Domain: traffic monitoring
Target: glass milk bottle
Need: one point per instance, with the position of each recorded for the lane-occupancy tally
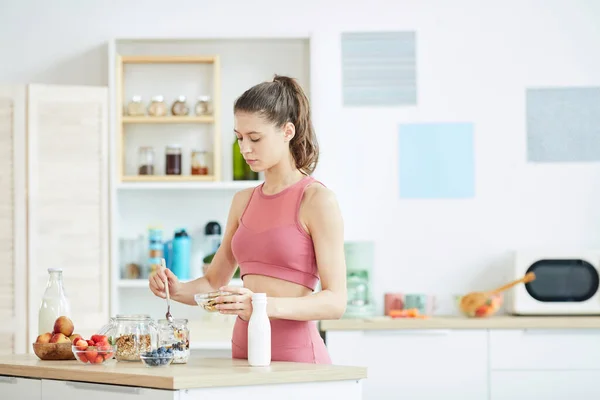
(54, 302)
(259, 332)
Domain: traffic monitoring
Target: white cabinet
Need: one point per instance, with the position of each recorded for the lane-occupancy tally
(537, 349)
(546, 385)
(12, 387)
(53, 205)
(60, 390)
(544, 364)
(416, 364)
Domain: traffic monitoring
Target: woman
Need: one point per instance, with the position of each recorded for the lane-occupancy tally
(284, 234)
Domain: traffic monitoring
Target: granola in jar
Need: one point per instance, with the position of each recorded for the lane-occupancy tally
(130, 346)
(132, 335)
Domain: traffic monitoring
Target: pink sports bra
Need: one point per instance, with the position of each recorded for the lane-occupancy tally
(270, 240)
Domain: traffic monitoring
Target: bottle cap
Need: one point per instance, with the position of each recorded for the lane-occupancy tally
(212, 228)
(54, 269)
(259, 296)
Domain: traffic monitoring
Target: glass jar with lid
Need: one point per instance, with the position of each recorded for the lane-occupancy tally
(173, 160)
(175, 335)
(180, 107)
(157, 107)
(146, 160)
(131, 334)
(136, 107)
(199, 162)
(204, 105)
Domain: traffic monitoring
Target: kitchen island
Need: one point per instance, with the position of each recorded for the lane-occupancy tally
(25, 377)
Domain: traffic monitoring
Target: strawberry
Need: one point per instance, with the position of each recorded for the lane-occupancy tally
(82, 357)
(99, 359)
(103, 346)
(99, 338)
(90, 342)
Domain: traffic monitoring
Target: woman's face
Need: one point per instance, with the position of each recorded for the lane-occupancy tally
(262, 144)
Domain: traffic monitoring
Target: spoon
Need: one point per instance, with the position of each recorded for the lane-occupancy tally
(168, 315)
(472, 301)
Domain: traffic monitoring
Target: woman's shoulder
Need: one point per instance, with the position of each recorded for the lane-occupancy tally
(318, 196)
(240, 200)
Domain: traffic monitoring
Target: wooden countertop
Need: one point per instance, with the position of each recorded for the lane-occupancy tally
(197, 373)
(458, 322)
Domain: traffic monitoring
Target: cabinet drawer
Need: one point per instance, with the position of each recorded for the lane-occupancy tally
(553, 349)
(12, 387)
(94, 391)
(416, 364)
(546, 385)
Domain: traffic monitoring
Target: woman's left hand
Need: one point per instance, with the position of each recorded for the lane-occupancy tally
(239, 302)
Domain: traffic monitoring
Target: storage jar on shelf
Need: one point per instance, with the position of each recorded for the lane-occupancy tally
(136, 108)
(204, 106)
(146, 160)
(157, 107)
(180, 107)
(199, 162)
(173, 160)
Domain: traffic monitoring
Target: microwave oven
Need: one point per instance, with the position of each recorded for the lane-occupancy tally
(566, 283)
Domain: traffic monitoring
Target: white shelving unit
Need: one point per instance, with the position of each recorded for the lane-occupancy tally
(226, 186)
(173, 67)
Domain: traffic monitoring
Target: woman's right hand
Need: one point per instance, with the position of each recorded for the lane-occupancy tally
(157, 283)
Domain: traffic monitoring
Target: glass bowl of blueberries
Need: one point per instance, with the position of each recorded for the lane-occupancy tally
(161, 357)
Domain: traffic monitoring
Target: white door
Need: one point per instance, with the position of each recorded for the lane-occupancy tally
(68, 199)
(13, 268)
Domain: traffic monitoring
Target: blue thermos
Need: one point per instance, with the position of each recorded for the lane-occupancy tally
(178, 254)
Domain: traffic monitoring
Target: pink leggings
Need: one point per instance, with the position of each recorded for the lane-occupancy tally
(297, 341)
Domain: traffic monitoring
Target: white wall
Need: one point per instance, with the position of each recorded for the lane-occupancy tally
(474, 62)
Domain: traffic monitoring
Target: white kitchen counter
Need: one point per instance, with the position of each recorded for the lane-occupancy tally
(25, 377)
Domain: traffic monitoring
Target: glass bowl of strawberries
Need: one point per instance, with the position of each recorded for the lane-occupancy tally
(96, 350)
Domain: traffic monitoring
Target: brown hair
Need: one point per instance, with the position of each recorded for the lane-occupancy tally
(282, 101)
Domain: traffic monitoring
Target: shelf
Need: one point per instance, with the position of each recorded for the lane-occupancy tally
(155, 59)
(168, 119)
(143, 283)
(232, 185)
(167, 178)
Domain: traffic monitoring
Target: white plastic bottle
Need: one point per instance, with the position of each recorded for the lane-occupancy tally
(259, 333)
(55, 302)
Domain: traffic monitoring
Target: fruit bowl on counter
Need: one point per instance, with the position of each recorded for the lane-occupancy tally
(56, 344)
(490, 307)
(96, 350)
(94, 354)
(53, 351)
